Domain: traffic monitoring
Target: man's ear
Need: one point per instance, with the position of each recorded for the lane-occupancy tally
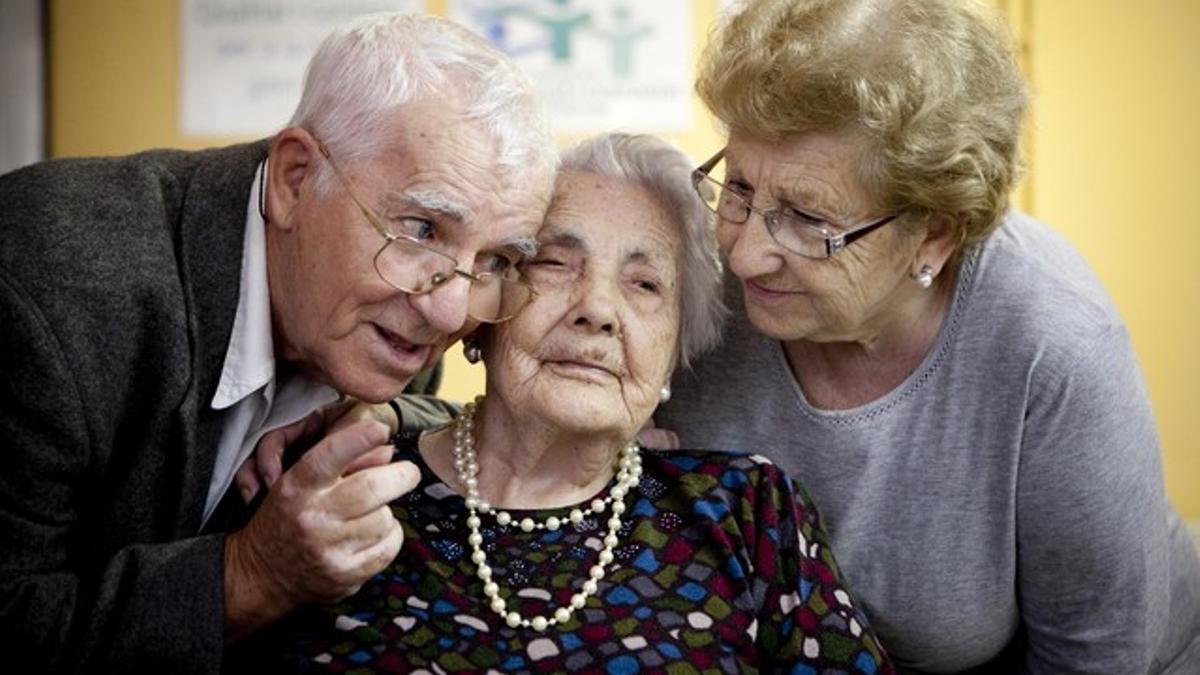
(292, 166)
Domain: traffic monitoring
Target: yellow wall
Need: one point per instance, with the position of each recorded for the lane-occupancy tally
(1116, 169)
(1112, 151)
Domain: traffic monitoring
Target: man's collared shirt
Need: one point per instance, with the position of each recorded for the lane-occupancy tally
(257, 402)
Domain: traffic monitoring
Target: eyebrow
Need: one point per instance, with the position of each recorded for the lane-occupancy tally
(573, 242)
(557, 237)
(438, 202)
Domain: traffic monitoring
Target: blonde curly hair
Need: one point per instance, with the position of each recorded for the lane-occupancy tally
(931, 85)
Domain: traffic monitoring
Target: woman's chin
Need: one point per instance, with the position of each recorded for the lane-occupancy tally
(585, 412)
(776, 326)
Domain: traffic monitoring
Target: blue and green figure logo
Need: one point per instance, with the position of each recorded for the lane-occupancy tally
(559, 24)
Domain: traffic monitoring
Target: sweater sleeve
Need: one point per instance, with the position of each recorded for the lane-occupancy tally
(1092, 516)
(67, 601)
(808, 621)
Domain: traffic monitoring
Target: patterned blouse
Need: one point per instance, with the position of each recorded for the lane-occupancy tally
(723, 566)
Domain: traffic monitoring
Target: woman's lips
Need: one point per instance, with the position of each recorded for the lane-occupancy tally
(757, 291)
(581, 369)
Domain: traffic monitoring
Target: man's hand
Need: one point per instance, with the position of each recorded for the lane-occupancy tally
(323, 530)
(265, 466)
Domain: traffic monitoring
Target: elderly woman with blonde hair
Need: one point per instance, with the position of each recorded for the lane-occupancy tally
(542, 537)
(948, 376)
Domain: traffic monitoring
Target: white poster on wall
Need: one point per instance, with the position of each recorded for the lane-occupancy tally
(242, 61)
(600, 64)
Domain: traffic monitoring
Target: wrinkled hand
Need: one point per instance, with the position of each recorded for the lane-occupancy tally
(323, 530)
(264, 467)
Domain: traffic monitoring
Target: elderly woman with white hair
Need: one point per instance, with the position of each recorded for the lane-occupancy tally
(949, 377)
(542, 537)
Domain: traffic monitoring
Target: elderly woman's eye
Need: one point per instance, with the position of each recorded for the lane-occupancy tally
(545, 263)
(805, 217)
(647, 285)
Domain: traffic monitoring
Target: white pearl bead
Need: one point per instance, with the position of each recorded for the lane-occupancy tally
(467, 466)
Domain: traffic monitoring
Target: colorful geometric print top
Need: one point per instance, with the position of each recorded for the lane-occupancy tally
(722, 567)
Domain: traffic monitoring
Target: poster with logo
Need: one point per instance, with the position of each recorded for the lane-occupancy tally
(600, 64)
(242, 61)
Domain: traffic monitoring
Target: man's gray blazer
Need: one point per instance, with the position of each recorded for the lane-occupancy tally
(118, 287)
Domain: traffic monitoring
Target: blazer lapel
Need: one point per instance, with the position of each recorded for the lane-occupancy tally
(211, 235)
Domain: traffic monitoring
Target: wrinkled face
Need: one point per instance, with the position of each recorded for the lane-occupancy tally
(437, 181)
(850, 296)
(594, 348)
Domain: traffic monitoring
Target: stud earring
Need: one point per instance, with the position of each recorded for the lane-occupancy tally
(924, 277)
(664, 394)
(471, 351)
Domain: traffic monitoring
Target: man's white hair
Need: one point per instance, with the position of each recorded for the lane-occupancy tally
(366, 71)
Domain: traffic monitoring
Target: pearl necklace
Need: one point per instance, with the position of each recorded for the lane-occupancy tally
(467, 467)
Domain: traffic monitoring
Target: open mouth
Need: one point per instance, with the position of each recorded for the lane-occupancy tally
(410, 356)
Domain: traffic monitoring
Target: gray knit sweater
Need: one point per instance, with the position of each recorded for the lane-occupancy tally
(1003, 507)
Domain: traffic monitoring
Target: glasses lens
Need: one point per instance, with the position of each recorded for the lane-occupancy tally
(495, 299)
(413, 268)
(797, 236)
(722, 200)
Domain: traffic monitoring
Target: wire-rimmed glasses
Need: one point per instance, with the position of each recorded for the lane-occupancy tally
(794, 230)
(410, 266)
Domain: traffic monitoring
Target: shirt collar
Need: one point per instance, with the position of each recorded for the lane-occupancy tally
(250, 358)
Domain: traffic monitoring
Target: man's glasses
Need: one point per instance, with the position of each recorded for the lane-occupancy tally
(413, 267)
(802, 234)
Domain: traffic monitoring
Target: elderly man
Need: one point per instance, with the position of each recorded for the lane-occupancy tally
(163, 311)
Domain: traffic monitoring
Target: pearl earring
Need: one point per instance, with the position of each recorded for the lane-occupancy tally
(924, 277)
(664, 394)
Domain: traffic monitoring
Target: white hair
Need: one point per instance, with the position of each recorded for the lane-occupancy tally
(367, 70)
(666, 173)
